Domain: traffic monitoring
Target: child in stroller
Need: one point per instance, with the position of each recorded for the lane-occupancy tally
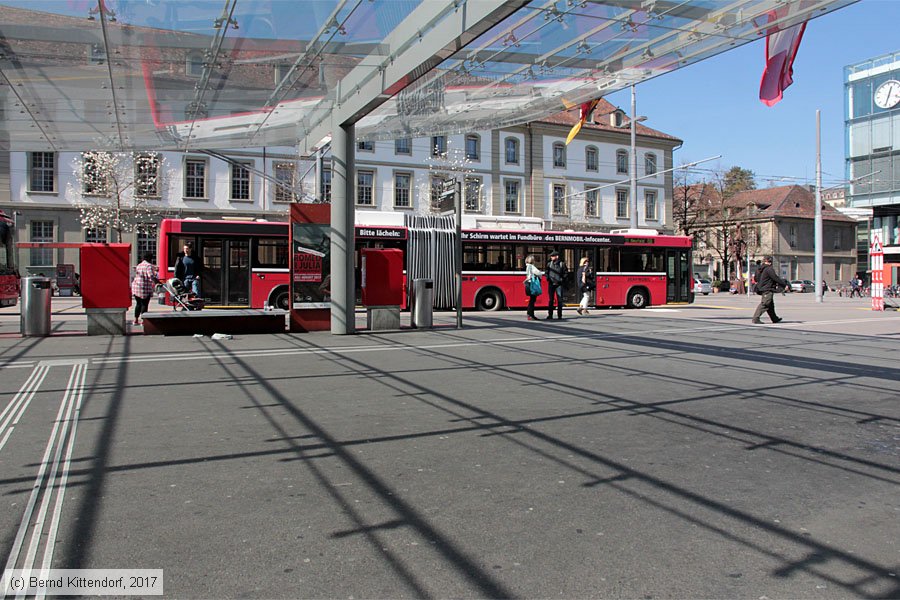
(181, 296)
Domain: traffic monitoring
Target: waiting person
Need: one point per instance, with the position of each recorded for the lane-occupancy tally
(187, 269)
(586, 283)
(142, 286)
(532, 273)
(855, 288)
(556, 277)
(767, 284)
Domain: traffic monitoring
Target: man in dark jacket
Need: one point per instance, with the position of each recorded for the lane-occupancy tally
(556, 277)
(766, 283)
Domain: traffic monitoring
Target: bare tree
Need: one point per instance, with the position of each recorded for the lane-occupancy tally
(119, 191)
(454, 164)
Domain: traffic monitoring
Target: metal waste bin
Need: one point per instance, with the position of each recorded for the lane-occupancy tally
(36, 293)
(422, 303)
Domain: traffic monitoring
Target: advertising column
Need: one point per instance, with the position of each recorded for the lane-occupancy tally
(876, 252)
(310, 267)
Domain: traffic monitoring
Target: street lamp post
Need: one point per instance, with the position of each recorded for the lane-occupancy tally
(633, 191)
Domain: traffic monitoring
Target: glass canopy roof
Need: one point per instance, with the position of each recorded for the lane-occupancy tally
(206, 74)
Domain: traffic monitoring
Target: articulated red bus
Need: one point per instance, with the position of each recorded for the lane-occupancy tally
(245, 263)
(9, 274)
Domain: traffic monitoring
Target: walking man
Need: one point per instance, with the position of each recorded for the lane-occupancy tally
(556, 276)
(767, 283)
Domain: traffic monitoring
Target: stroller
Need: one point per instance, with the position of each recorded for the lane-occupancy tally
(181, 296)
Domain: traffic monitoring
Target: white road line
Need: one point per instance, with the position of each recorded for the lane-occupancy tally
(10, 416)
(57, 441)
(78, 390)
(37, 525)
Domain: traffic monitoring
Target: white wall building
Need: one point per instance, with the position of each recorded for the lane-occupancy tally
(524, 171)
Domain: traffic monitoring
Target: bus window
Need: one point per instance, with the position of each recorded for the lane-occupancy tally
(176, 247)
(604, 260)
(642, 260)
(271, 253)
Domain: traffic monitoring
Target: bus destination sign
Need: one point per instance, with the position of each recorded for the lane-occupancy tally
(381, 233)
(542, 237)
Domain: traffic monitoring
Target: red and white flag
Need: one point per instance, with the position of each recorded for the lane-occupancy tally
(781, 48)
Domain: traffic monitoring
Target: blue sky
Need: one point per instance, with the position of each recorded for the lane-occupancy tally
(714, 105)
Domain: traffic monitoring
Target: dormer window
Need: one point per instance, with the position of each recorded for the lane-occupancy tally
(617, 118)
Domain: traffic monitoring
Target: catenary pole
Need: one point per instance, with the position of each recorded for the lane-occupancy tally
(818, 227)
(633, 191)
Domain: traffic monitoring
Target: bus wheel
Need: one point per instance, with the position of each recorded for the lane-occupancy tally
(281, 300)
(638, 298)
(489, 300)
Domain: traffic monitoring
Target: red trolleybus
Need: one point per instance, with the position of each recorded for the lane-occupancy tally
(9, 274)
(245, 263)
(634, 268)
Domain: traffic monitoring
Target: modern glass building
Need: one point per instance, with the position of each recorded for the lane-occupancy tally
(872, 146)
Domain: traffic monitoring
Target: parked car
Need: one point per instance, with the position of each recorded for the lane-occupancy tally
(702, 286)
(802, 285)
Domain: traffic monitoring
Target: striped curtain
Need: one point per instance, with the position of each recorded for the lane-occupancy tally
(430, 255)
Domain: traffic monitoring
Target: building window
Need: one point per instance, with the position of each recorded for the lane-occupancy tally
(365, 146)
(592, 203)
(193, 66)
(402, 190)
(94, 177)
(438, 183)
(559, 154)
(195, 178)
(472, 144)
(281, 71)
(473, 194)
(511, 196)
(837, 239)
(41, 231)
(512, 151)
(286, 181)
(621, 161)
(439, 145)
(559, 199)
(650, 164)
(650, 206)
(365, 188)
(621, 204)
(42, 171)
(146, 175)
(240, 181)
(146, 241)
(325, 185)
(590, 159)
(96, 54)
(403, 146)
(95, 235)
(792, 236)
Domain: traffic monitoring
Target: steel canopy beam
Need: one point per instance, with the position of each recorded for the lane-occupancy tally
(433, 32)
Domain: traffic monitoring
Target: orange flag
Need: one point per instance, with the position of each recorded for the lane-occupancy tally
(586, 109)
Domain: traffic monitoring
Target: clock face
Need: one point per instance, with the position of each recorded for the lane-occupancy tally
(888, 94)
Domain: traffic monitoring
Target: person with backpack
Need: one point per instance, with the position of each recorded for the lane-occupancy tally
(768, 282)
(556, 277)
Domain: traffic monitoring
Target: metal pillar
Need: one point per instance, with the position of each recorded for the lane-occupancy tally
(817, 268)
(343, 293)
(634, 210)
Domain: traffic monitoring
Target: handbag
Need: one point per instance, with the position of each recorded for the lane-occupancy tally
(533, 287)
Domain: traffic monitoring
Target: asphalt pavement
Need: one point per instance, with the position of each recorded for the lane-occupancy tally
(674, 452)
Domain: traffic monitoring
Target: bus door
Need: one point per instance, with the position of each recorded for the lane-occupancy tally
(573, 256)
(678, 275)
(225, 279)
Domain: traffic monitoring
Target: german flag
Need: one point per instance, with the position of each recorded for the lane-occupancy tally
(586, 109)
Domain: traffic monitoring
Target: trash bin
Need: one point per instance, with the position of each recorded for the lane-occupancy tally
(422, 301)
(36, 293)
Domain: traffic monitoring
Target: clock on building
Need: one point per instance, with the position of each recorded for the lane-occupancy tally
(887, 95)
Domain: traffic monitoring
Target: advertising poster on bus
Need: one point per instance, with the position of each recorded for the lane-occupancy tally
(311, 265)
